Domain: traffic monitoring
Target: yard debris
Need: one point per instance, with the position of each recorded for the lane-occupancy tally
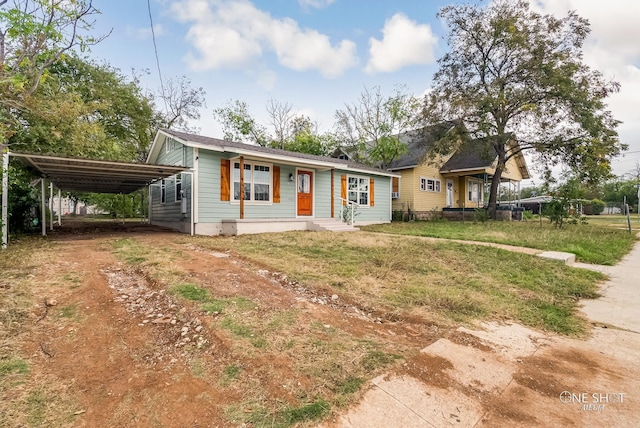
(178, 328)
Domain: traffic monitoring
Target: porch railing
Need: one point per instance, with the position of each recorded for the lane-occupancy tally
(348, 211)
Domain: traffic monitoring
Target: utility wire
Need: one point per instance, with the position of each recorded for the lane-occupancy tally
(155, 48)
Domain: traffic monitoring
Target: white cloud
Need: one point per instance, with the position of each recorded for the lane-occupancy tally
(234, 34)
(404, 42)
(612, 49)
(144, 33)
(318, 4)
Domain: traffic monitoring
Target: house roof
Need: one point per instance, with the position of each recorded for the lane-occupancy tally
(471, 155)
(418, 143)
(536, 199)
(284, 156)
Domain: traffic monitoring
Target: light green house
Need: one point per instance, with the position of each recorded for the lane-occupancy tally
(282, 190)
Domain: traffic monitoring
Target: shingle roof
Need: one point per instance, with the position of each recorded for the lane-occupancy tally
(471, 155)
(419, 142)
(216, 142)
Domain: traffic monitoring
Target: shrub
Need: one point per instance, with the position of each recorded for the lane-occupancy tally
(597, 206)
(481, 215)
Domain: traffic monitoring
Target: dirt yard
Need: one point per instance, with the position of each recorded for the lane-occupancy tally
(107, 344)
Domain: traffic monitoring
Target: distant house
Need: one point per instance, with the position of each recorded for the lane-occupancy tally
(447, 185)
(233, 188)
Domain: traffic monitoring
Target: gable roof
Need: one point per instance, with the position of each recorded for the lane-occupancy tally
(284, 156)
(470, 155)
(419, 142)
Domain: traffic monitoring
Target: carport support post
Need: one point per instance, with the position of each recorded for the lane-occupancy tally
(5, 199)
(59, 207)
(43, 208)
(241, 187)
(50, 206)
(149, 207)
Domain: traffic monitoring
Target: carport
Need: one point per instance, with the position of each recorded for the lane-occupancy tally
(82, 175)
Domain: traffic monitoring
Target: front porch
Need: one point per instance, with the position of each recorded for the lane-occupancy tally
(234, 227)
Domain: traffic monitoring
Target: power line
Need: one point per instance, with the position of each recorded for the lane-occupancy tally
(155, 48)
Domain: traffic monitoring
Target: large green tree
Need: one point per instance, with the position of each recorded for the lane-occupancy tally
(238, 124)
(90, 110)
(34, 35)
(514, 80)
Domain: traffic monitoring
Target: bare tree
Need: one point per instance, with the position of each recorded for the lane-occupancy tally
(183, 103)
(280, 117)
(370, 127)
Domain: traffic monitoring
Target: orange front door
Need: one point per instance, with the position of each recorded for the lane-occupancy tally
(305, 193)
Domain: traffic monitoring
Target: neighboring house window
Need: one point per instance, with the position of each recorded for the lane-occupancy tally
(429, 184)
(257, 182)
(163, 191)
(358, 189)
(167, 145)
(395, 187)
(178, 187)
(474, 191)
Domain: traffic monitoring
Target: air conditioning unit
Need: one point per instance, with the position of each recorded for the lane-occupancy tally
(395, 195)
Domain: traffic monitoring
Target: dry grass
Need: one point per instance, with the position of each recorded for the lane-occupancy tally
(315, 366)
(442, 280)
(591, 243)
(27, 398)
(285, 367)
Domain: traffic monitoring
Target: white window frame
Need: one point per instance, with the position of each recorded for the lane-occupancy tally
(428, 184)
(163, 191)
(167, 145)
(477, 197)
(177, 182)
(251, 182)
(358, 192)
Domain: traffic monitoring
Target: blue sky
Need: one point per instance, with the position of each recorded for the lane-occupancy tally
(320, 54)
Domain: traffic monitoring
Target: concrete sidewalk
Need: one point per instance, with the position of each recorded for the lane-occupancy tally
(619, 305)
(509, 375)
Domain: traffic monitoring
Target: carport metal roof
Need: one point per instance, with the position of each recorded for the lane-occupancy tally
(86, 175)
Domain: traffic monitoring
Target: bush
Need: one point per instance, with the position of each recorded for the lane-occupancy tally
(597, 206)
(481, 215)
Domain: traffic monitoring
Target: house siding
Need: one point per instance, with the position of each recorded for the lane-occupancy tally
(407, 191)
(170, 213)
(323, 194)
(512, 171)
(424, 200)
(381, 209)
(216, 216)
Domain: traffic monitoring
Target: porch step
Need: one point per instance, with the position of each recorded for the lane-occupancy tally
(331, 225)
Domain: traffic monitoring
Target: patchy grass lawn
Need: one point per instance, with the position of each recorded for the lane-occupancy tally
(615, 220)
(590, 243)
(318, 366)
(407, 276)
(24, 400)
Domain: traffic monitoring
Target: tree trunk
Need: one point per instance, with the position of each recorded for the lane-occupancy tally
(500, 148)
(493, 193)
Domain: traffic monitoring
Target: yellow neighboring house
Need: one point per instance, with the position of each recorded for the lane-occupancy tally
(449, 185)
